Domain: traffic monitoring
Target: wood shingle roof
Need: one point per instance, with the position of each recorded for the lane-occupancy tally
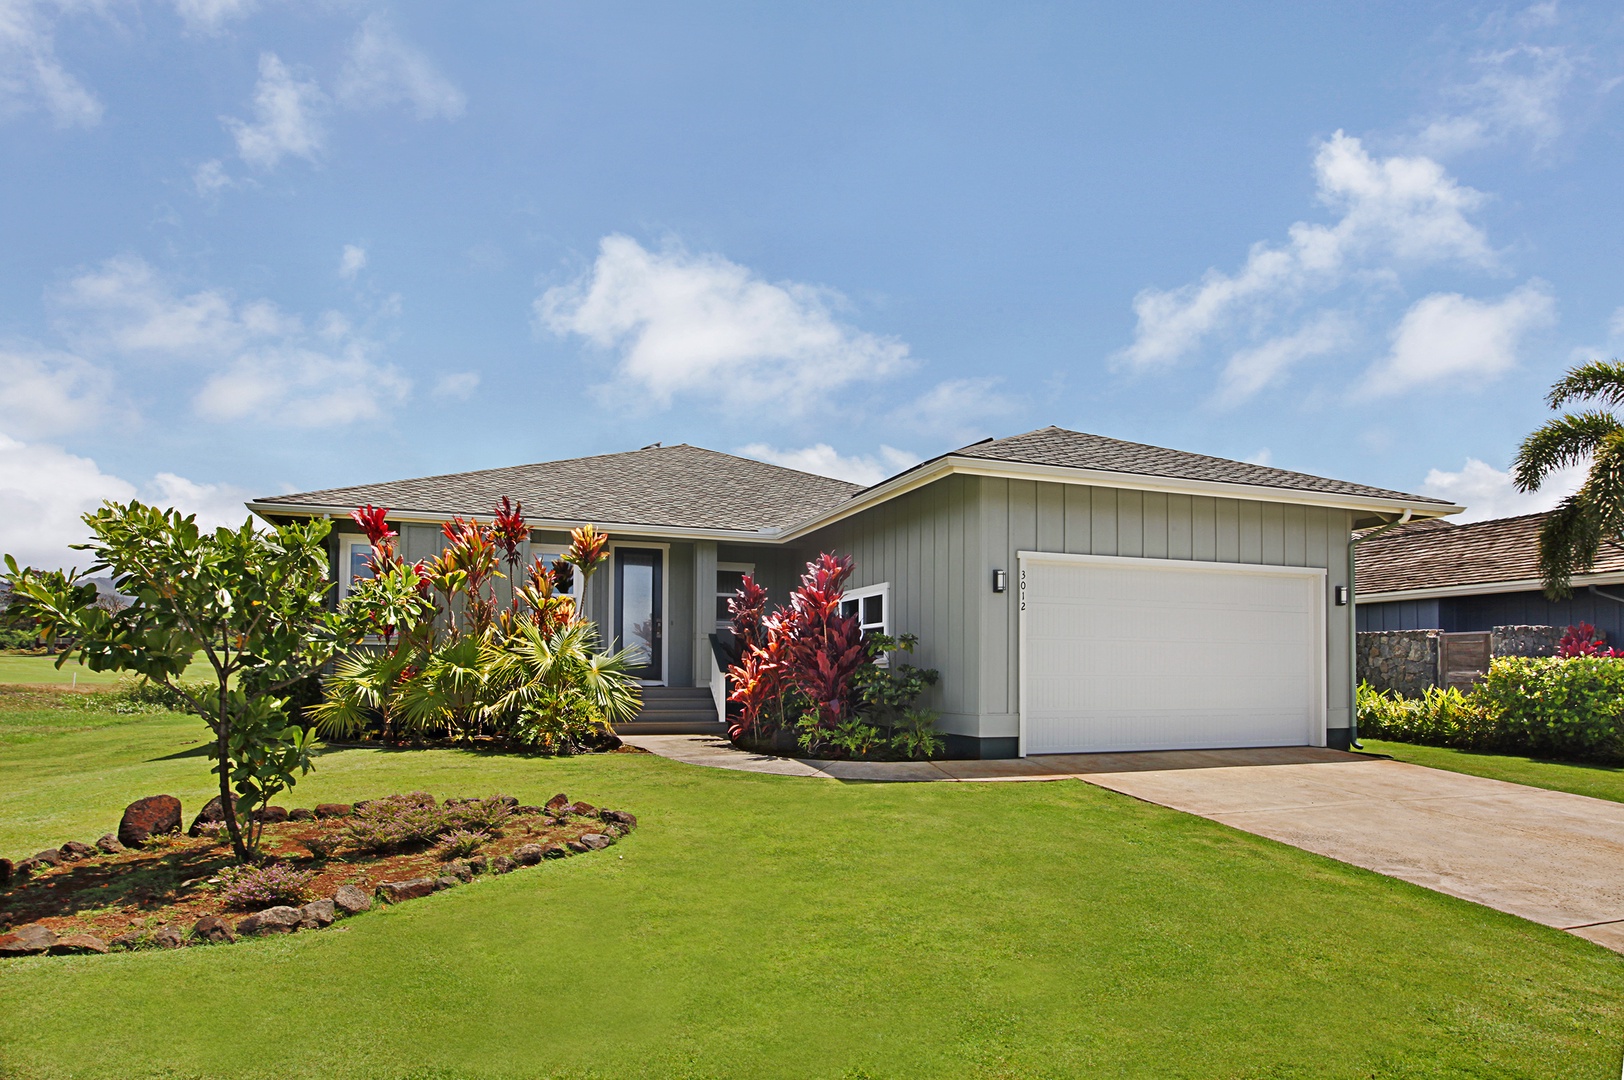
(1438, 555)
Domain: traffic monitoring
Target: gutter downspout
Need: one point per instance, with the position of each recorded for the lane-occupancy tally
(1353, 627)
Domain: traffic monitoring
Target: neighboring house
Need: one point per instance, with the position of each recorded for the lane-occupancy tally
(1077, 593)
(1432, 575)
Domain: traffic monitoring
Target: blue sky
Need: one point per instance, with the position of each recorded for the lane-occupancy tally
(255, 247)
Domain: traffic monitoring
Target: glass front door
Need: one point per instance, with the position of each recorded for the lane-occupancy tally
(639, 607)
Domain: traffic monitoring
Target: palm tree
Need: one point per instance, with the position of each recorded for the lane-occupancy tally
(1571, 536)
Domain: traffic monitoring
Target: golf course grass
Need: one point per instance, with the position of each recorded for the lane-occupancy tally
(27, 668)
(785, 927)
(1581, 778)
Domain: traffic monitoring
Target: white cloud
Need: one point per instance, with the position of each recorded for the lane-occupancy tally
(213, 504)
(1447, 334)
(959, 410)
(459, 385)
(300, 387)
(1518, 93)
(210, 178)
(1250, 370)
(47, 393)
(352, 262)
(259, 361)
(43, 492)
(1486, 492)
(31, 75)
(287, 117)
(380, 70)
(1395, 209)
(825, 460)
(685, 323)
(211, 16)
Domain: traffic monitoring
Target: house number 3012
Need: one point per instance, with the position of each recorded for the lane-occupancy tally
(1023, 588)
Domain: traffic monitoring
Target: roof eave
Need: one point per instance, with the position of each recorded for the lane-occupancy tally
(950, 464)
(1483, 588)
(424, 517)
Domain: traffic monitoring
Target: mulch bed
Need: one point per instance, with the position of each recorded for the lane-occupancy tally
(173, 879)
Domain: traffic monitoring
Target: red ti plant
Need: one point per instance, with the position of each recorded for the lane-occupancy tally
(825, 647)
(469, 563)
(748, 606)
(1583, 640)
(509, 532)
(587, 549)
(374, 522)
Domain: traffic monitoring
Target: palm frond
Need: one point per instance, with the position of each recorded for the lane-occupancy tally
(1599, 380)
(1557, 444)
(1568, 542)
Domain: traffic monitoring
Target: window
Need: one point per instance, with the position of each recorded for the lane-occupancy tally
(550, 557)
(872, 606)
(354, 563)
(729, 578)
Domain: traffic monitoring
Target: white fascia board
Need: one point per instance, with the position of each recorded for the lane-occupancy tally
(1485, 588)
(418, 517)
(1066, 474)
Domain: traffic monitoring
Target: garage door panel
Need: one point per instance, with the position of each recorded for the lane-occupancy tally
(1149, 654)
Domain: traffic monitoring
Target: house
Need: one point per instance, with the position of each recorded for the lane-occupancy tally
(1077, 593)
(1434, 575)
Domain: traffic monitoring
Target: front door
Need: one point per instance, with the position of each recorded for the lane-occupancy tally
(640, 608)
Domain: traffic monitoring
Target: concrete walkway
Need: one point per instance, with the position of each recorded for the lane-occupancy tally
(1547, 856)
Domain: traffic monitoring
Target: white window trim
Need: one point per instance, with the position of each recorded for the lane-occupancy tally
(883, 591)
(533, 549)
(346, 552)
(730, 568)
(665, 604)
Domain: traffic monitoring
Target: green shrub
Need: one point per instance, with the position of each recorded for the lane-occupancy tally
(1551, 707)
(1542, 706)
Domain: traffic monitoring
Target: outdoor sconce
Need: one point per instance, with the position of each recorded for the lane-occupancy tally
(1341, 596)
(1000, 580)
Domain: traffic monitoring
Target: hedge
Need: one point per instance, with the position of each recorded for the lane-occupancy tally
(1541, 706)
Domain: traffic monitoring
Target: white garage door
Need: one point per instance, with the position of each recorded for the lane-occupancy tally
(1159, 654)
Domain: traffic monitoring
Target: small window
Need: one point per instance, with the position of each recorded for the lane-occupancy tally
(548, 558)
(356, 564)
(729, 579)
(871, 604)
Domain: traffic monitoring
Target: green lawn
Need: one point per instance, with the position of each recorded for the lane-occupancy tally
(1581, 778)
(784, 927)
(19, 668)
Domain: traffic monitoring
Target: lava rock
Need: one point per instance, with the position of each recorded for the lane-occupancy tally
(73, 851)
(583, 809)
(271, 815)
(168, 937)
(333, 809)
(446, 881)
(527, 854)
(49, 857)
(301, 813)
(459, 869)
(526, 811)
(350, 900)
(24, 868)
(211, 814)
(30, 940)
(558, 802)
(317, 914)
(281, 919)
(155, 814)
(578, 847)
(555, 851)
(502, 865)
(479, 863)
(215, 929)
(510, 802)
(393, 892)
(131, 940)
(620, 817)
(109, 845)
(7, 870)
(596, 841)
(77, 944)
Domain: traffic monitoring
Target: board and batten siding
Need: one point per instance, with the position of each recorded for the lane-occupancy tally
(938, 547)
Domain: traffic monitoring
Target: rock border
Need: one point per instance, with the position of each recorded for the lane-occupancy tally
(35, 939)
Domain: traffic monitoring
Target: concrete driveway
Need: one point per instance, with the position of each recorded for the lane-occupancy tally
(1548, 856)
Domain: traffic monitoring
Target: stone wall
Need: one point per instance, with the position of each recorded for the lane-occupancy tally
(1524, 640)
(1403, 661)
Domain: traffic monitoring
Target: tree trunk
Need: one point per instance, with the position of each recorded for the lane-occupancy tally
(222, 753)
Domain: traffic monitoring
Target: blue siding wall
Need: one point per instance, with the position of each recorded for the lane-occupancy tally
(1459, 614)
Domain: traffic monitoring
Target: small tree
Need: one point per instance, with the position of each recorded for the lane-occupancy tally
(251, 602)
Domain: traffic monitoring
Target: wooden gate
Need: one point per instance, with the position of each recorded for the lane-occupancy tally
(1463, 659)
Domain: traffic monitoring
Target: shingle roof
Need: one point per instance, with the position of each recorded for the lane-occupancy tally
(1432, 555)
(1077, 449)
(677, 486)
